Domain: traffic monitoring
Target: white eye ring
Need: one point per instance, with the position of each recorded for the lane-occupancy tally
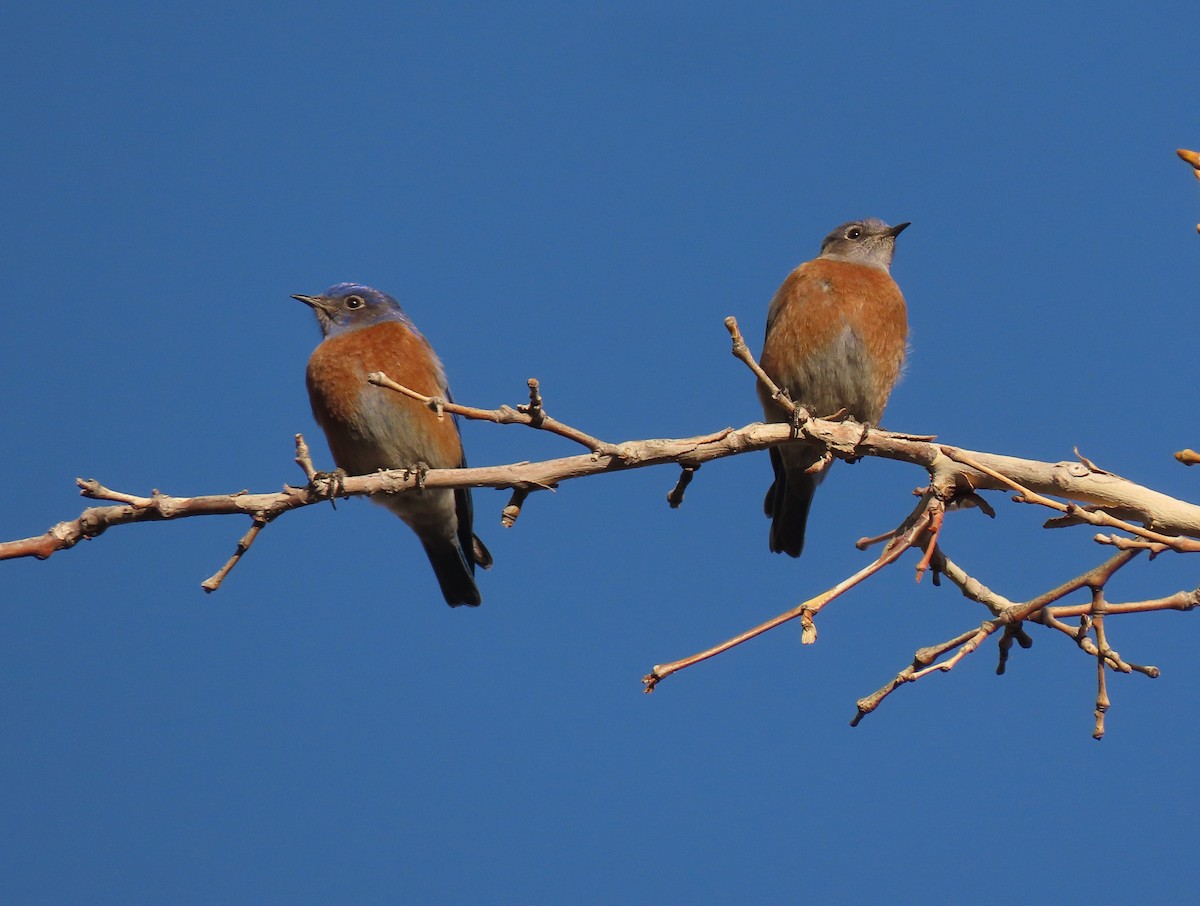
(355, 302)
(853, 233)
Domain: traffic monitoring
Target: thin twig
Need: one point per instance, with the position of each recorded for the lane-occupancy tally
(532, 415)
(937, 514)
(742, 352)
(899, 544)
(212, 583)
(1102, 649)
(534, 408)
(512, 510)
(304, 459)
(675, 495)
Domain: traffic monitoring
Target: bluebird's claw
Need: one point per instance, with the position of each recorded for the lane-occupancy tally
(799, 417)
(330, 484)
(419, 471)
(862, 438)
(866, 429)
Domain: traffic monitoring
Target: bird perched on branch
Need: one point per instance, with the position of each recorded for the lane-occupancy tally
(837, 331)
(371, 428)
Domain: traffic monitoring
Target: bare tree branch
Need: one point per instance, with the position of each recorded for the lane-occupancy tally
(1172, 520)
(1081, 491)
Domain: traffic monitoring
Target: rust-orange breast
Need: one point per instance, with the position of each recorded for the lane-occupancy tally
(836, 337)
(370, 427)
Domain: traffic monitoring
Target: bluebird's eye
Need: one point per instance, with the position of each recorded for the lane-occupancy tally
(355, 302)
(853, 233)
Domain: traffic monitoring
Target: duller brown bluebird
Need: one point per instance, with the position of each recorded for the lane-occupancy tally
(371, 428)
(837, 331)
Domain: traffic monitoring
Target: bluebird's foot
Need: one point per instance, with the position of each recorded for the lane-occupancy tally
(331, 485)
(798, 418)
(862, 438)
(866, 429)
(419, 470)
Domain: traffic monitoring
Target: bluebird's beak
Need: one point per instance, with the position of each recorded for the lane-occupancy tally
(893, 232)
(315, 302)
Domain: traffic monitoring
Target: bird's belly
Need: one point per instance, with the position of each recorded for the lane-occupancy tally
(835, 376)
(379, 434)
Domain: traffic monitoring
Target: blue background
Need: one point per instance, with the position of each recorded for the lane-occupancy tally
(582, 193)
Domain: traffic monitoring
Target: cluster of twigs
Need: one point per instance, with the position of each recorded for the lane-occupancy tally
(1080, 492)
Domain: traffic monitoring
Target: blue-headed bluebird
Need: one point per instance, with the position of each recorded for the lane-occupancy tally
(371, 428)
(837, 331)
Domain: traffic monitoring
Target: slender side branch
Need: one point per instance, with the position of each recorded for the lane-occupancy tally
(304, 459)
(918, 522)
(212, 583)
(531, 415)
(742, 352)
(510, 513)
(675, 495)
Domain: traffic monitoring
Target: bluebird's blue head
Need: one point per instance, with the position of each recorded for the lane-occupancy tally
(351, 305)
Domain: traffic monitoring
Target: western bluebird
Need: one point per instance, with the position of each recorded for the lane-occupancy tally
(370, 428)
(837, 331)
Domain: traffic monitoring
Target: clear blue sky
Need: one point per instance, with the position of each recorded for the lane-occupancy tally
(581, 193)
